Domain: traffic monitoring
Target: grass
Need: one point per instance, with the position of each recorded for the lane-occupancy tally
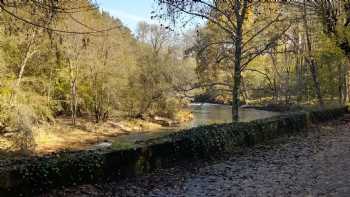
(137, 139)
(118, 145)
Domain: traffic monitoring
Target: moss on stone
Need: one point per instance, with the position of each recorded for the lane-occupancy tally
(118, 145)
(125, 159)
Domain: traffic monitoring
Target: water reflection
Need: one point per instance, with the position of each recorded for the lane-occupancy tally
(203, 114)
(206, 114)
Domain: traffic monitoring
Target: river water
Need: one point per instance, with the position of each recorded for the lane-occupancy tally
(206, 114)
(203, 114)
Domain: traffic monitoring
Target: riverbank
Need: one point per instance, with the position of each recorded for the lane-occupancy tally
(204, 142)
(85, 135)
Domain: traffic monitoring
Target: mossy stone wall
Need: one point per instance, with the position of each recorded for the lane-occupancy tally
(38, 174)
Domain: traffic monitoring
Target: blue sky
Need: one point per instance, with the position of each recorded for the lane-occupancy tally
(130, 12)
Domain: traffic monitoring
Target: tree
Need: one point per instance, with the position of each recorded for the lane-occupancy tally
(156, 82)
(46, 52)
(309, 59)
(231, 17)
(335, 19)
(51, 10)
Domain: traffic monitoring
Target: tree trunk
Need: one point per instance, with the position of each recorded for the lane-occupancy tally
(315, 79)
(341, 84)
(275, 90)
(300, 80)
(346, 82)
(237, 73)
(310, 60)
(23, 65)
(276, 77)
(238, 39)
(245, 91)
(236, 91)
(27, 56)
(74, 101)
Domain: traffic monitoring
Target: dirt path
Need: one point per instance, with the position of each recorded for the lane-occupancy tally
(312, 164)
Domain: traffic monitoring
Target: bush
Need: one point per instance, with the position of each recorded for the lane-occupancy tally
(19, 113)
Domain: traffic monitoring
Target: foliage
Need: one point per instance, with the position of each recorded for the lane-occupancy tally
(111, 74)
(283, 71)
(56, 63)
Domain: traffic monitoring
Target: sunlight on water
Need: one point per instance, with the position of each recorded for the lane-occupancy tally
(206, 114)
(203, 114)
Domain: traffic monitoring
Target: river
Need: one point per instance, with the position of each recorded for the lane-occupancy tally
(206, 114)
(203, 114)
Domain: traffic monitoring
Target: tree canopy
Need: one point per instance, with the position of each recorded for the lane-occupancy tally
(70, 58)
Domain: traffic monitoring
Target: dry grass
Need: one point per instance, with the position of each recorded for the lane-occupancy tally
(184, 116)
(62, 135)
(4, 144)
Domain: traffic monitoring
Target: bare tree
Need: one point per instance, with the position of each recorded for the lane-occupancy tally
(230, 17)
(52, 10)
(155, 35)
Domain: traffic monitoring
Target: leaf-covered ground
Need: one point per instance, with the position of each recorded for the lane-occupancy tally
(316, 163)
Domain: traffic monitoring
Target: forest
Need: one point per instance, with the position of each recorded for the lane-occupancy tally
(68, 64)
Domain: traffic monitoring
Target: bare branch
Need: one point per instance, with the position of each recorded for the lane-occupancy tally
(52, 29)
(265, 48)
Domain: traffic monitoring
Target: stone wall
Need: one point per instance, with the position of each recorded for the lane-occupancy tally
(37, 174)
